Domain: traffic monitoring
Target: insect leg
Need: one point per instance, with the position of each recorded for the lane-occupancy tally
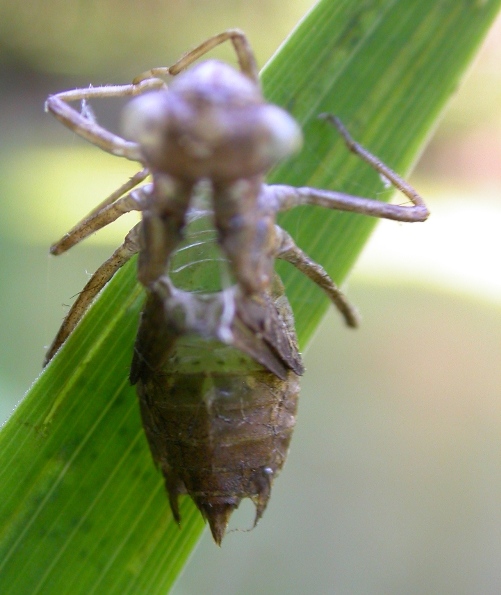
(162, 226)
(131, 183)
(289, 197)
(379, 166)
(87, 127)
(98, 280)
(243, 50)
(107, 212)
(289, 251)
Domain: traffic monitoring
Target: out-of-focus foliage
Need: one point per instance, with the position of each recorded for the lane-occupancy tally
(115, 37)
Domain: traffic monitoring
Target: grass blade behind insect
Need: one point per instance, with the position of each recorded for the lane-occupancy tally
(82, 509)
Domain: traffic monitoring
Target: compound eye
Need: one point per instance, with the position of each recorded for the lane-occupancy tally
(286, 137)
(146, 118)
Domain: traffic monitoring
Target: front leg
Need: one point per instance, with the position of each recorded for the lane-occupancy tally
(241, 45)
(287, 197)
(87, 127)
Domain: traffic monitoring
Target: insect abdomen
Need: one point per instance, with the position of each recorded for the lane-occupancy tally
(219, 428)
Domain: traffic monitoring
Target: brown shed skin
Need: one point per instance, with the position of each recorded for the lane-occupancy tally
(218, 422)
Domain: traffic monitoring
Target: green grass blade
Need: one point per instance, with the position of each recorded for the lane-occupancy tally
(82, 509)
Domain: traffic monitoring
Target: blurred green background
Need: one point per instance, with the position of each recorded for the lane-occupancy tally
(395, 466)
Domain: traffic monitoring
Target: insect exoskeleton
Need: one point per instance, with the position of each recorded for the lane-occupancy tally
(215, 361)
(218, 401)
(218, 422)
